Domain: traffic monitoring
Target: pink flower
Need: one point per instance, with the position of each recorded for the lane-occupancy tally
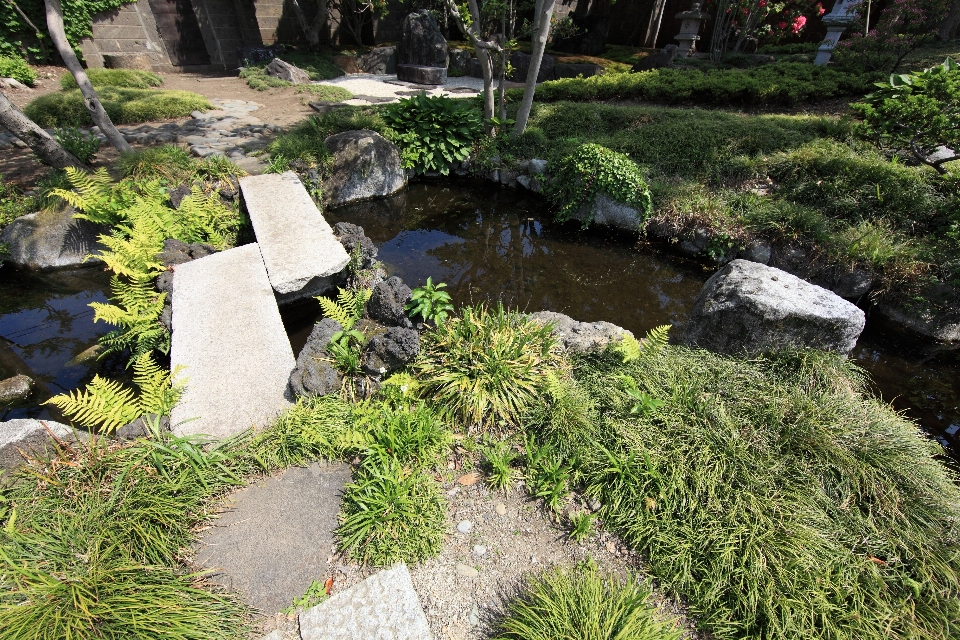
(799, 23)
(763, 3)
(782, 25)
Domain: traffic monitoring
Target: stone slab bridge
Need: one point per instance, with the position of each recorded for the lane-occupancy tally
(229, 345)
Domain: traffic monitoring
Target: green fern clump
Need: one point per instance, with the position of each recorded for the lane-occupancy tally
(107, 405)
(348, 307)
(631, 349)
(95, 196)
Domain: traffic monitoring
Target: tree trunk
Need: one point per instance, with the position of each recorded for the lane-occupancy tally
(90, 99)
(313, 37)
(48, 149)
(486, 51)
(653, 26)
(541, 30)
(948, 28)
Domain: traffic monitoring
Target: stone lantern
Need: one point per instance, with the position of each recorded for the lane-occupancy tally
(844, 12)
(689, 29)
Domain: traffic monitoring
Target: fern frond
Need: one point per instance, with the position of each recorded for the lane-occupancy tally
(656, 340)
(158, 393)
(336, 310)
(93, 195)
(103, 403)
(202, 217)
(629, 348)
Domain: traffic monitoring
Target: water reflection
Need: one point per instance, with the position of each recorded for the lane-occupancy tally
(490, 243)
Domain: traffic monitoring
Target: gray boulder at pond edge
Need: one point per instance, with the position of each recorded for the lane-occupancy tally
(581, 337)
(747, 307)
(366, 165)
(607, 211)
(421, 42)
(51, 240)
(314, 374)
(16, 388)
(30, 437)
(384, 606)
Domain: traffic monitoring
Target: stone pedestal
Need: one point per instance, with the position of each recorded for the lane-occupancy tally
(689, 30)
(844, 12)
(421, 74)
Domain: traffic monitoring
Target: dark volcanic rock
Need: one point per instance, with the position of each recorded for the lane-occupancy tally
(390, 351)
(351, 235)
(314, 375)
(421, 42)
(386, 305)
(659, 60)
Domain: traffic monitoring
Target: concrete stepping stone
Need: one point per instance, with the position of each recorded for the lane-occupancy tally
(384, 606)
(302, 256)
(230, 343)
(276, 536)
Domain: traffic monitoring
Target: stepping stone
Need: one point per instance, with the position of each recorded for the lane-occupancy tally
(384, 606)
(302, 256)
(33, 438)
(230, 345)
(322, 106)
(276, 536)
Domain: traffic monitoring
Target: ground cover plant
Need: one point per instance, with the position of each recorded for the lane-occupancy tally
(432, 132)
(13, 204)
(318, 65)
(123, 105)
(17, 68)
(775, 496)
(126, 78)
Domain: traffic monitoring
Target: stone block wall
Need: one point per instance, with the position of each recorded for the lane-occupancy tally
(226, 25)
(129, 30)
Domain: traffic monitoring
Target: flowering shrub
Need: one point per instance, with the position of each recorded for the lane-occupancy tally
(740, 21)
(902, 27)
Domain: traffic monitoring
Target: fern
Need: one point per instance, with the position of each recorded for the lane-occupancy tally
(631, 349)
(107, 405)
(103, 403)
(95, 196)
(348, 307)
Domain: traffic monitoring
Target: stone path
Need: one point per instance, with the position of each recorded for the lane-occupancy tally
(299, 249)
(229, 344)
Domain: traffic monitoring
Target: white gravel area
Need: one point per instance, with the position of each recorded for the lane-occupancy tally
(387, 86)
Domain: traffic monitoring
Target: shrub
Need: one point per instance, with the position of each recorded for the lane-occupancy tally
(592, 170)
(84, 146)
(18, 69)
(13, 204)
(585, 604)
(775, 496)
(433, 132)
(485, 367)
(304, 143)
(784, 83)
(325, 92)
(123, 78)
(915, 114)
(124, 106)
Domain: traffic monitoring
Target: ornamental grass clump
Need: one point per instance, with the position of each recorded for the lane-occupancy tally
(585, 604)
(774, 496)
(484, 368)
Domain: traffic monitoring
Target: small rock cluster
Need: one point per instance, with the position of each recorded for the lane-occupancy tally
(395, 339)
(15, 389)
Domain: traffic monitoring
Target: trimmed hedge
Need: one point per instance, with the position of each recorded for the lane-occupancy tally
(785, 83)
(126, 78)
(124, 106)
(18, 69)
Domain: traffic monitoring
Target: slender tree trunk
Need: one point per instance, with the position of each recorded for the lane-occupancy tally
(48, 149)
(653, 26)
(948, 28)
(313, 37)
(486, 51)
(90, 99)
(541, 31)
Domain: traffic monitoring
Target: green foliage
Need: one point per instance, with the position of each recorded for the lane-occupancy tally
(348, 307)
(586, 604)
(304, 142)
(346, 347)
(774, 496)
(278, 164)
(582, 525)
(548, 474)
(107, 405)
(429, 302)
(13, 204)
(124, 78)
(484, 368)
(499, 458)
(124, 106)
(17, 68)
(785, 83)
(915, 114)
(433, 132)
(80, 145)
(394, 510)
(592, 170)
(167, 164)
(314, 595)
(17, 37)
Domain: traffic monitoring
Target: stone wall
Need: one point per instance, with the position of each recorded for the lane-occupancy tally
(129, 30)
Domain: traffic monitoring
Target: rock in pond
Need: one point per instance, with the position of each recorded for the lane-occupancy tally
(607, 211)
(15, 389)
(390, 351)
(366, 165)
(750, 308)
(581, 337)
(52, 239)
(314, 374)
(387, 303)
(32, 437)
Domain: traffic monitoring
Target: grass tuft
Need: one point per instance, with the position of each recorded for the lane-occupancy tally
(122, 78)
(124, 106)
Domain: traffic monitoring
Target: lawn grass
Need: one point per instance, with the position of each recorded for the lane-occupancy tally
(124, 106)
(774, 496)
(122, 78)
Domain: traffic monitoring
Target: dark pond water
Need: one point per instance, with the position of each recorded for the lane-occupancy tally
(45, 324)
(489, 243)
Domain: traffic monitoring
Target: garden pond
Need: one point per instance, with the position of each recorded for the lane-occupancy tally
(487, 243)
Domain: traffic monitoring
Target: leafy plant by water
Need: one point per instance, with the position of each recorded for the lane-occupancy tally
(433, 132)
(485, 367)
(80, 145)
(429, 302)
(586, 604)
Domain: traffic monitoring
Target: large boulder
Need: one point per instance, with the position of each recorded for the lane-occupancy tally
(31, 437)
(380, 60)
(421, 42)
(604, 210)
(520, 62)
(387, 303)
(581, 337)
(751, 308)
(390, 351)
(52, 239)
(286, 71)
(366, 165)
(658, 60)
(314, 374)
